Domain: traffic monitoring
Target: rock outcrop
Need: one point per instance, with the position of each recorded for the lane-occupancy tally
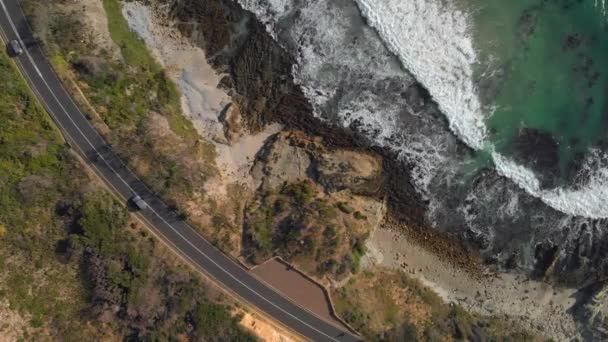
(314, 206)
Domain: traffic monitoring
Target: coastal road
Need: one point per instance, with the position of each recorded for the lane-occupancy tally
(87, 142)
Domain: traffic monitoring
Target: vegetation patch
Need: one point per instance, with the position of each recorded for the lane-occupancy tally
(124, 283)
(345, 208)
(138, 106)
(302, 224)
(133, 49)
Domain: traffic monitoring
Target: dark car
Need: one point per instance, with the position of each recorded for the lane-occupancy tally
(14, 48)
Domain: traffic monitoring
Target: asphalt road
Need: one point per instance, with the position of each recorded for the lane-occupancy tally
(86, 141)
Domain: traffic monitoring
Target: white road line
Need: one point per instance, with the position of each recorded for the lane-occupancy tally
(133, 191)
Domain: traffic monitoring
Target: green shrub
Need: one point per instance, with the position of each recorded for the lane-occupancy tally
(279, 205)
(359, 216)
(69, 36)
(326, 212)
(302, 192)
(220, 221)
(357, 254)
(100, 217)
(345, 208)
(330, 232)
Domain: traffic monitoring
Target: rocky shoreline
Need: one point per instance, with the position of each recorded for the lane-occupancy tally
(262, 175)
(284, 173)
(259, 78)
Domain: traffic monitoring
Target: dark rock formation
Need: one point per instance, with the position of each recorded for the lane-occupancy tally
(260, 70)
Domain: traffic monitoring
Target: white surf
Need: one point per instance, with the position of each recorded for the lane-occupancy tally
(433, 41)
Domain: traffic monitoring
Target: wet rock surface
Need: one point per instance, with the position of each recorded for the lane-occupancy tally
(540, 152)
(260, 80)
(592, 312)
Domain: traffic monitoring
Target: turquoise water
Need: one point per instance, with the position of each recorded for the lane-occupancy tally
(543, 66)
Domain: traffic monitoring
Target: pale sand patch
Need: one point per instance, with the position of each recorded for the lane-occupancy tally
(535, 305)
(12, 324)
(236, 160)
(265, 331)
(202, 100)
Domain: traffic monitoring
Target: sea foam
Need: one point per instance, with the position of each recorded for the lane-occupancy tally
(601, 6)
(590, 200)
(432, 40)
(347, 73)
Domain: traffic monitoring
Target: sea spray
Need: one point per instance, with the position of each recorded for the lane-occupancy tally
(350, 78)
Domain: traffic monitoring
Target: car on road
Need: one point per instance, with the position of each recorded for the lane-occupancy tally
(139, 203)
(14, 48)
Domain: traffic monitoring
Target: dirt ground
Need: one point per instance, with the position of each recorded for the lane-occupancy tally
(296, 287)
(94, 15)
(12, 324)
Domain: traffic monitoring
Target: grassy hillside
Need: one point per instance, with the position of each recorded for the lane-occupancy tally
(36, 172)
(73, 266)
(135, 104)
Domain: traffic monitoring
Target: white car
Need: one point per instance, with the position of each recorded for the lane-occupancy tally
(139, 203)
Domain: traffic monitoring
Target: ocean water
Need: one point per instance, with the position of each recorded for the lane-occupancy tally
(526, 83)
(476, 155)
(553, 58)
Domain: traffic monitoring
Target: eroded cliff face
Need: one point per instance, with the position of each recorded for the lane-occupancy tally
(315, 173)
(259, 70)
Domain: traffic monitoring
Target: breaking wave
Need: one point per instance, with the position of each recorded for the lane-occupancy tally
(601, 6)
(350, 78)
(432, 41)
(589, 200)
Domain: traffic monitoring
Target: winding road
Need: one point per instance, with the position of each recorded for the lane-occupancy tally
(182, 238)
